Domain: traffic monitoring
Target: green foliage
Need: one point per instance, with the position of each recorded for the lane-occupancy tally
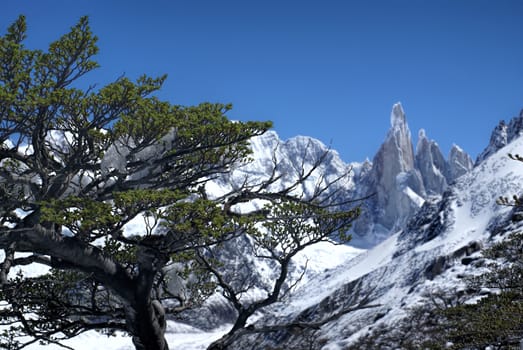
(198, 282)
(132, 202)
(80, 215)
(33, 83)
(70, 57)
(205, 219)
(57, 300)
(89, 219)
(123, 253)
(151, 120)
(292, 225)
(57, 142)
(496, 319)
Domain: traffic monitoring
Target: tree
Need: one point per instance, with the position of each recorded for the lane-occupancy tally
(424, 327)
(77, 165)
(289, 225)
(496, 319)
(488, 313)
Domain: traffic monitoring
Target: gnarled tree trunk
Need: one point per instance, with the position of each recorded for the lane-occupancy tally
(146, 323)
(145, 316)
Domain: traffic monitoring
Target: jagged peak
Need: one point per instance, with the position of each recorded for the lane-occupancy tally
(397, 116)
(399, 131)
(499, 138)
(456, 148)
(422, 140)
(427, 146)
(422, 134)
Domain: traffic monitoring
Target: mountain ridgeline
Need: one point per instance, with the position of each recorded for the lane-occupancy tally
(424, 221)
(397, 181)
(401, 178)
(395, 184)
(425, 227)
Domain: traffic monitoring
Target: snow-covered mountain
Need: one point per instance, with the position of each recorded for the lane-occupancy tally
(434, 250)
(423, 229)
(398, 180)
(402, 178)
(288, 159)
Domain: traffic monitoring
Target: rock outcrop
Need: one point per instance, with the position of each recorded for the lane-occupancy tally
(400, 180)
(459, 163)
(394, 177)
(431, 164)
(502, 135)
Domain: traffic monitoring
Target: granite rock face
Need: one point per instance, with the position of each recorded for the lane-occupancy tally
(397, 181)
(400, 180)
(498, 140)
(431, 164)
(394, 176)
(459, 163)
(502, 135)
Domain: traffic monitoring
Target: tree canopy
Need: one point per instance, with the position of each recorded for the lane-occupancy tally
(78, 165)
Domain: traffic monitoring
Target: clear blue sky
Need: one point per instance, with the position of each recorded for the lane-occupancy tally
(327, 69)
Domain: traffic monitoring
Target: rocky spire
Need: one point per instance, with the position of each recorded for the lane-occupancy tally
(459, 163)
(400, 180)
(431, 164)
(498, 139)
(502, 135)
(396, 181)
(399, 138)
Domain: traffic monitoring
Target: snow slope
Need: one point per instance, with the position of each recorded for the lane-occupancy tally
(423, 257)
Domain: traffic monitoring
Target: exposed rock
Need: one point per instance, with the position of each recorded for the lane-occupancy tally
(502, 135)
(498, 140)
(459, 163)
(436, 267)
(431, 165)
(515, 127)
(467, 250)
(401, 180)
(394, 177)
(469, 260)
